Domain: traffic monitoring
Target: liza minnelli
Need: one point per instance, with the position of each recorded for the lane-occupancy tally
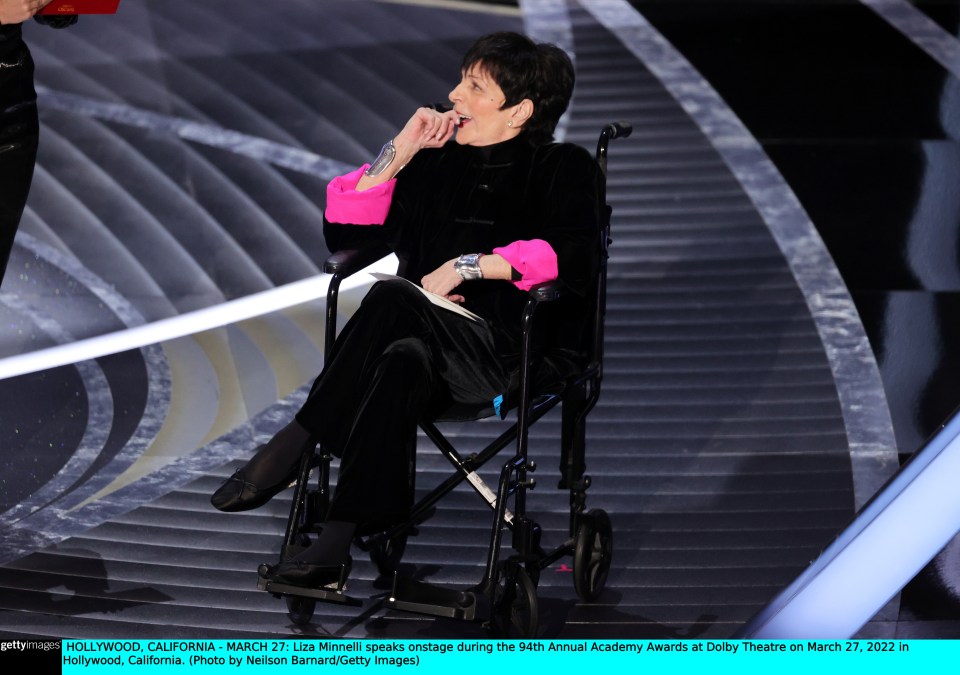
(485, 207)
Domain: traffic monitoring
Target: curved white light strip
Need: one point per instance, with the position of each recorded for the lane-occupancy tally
(923, 31)
(894, 536)
(248, 307)
(254, 147)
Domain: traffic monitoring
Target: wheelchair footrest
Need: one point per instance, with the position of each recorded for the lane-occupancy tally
(410, 595)
(321, 594)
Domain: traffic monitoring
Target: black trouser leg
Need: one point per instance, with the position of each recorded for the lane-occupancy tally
(389, 313)
(397, 361)
(374, 481)
(19, 132)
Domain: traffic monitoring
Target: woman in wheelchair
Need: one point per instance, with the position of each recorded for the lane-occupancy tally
(479, 206)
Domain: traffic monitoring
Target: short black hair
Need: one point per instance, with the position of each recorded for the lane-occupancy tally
(523, 69)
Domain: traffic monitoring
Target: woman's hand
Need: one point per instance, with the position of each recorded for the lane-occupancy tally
(426, 129)
(18, 11)
(443, 280)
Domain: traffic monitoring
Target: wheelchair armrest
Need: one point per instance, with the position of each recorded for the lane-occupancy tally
(341, 265)
(547, 291)
(351, 261)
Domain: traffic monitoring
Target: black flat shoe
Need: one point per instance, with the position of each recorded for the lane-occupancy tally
(308, 575)
(239, 494)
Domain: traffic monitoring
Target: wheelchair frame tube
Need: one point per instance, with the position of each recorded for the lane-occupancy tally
(299, 497)
(463, 466)
(519, 462)
(496, 535)
(333, 293)
(523, 414)
(323, 480)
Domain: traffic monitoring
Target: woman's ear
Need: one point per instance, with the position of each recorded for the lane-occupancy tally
(522, 112)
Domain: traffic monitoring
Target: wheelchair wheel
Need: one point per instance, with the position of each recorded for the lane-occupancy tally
(386, 555)
(532, 569)
(515, 613)
(592, 555)
(300, 610)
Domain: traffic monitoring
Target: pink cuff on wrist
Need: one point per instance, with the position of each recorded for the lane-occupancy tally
(535, 260)
(346, 205)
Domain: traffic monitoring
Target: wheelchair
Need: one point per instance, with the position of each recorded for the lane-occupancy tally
(505, 599)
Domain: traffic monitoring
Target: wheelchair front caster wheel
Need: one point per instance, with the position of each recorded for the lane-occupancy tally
(592, 554)
(386, 554)
(300, 610)
(515, 613)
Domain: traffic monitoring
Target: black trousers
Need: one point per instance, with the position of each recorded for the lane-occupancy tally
(19, 133)
(399, 359)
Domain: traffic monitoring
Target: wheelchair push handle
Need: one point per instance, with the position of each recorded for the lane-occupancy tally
(610, 131)
(619, 129)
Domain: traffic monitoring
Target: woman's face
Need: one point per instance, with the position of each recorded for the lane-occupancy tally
(477, 100)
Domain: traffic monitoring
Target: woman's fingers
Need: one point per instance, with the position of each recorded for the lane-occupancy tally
(428, 128)
(442, 280)
(441, 128)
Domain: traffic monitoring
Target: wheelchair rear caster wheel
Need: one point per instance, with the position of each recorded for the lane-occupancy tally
(300, 610)
(592, 555)
(515, 613)
(386, 555)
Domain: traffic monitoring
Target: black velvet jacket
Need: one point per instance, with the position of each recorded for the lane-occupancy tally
(462, 199)
(11, 42)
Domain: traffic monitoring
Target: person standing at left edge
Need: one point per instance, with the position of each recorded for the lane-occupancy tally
(19, 123)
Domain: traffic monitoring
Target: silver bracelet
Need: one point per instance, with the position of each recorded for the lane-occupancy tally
(383, 160)
(468, 266)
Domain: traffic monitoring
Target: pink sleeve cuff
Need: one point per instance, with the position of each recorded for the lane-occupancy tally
(346, 205)
(535, 260)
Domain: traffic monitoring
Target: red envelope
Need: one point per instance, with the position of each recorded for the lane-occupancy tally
(81, 7)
